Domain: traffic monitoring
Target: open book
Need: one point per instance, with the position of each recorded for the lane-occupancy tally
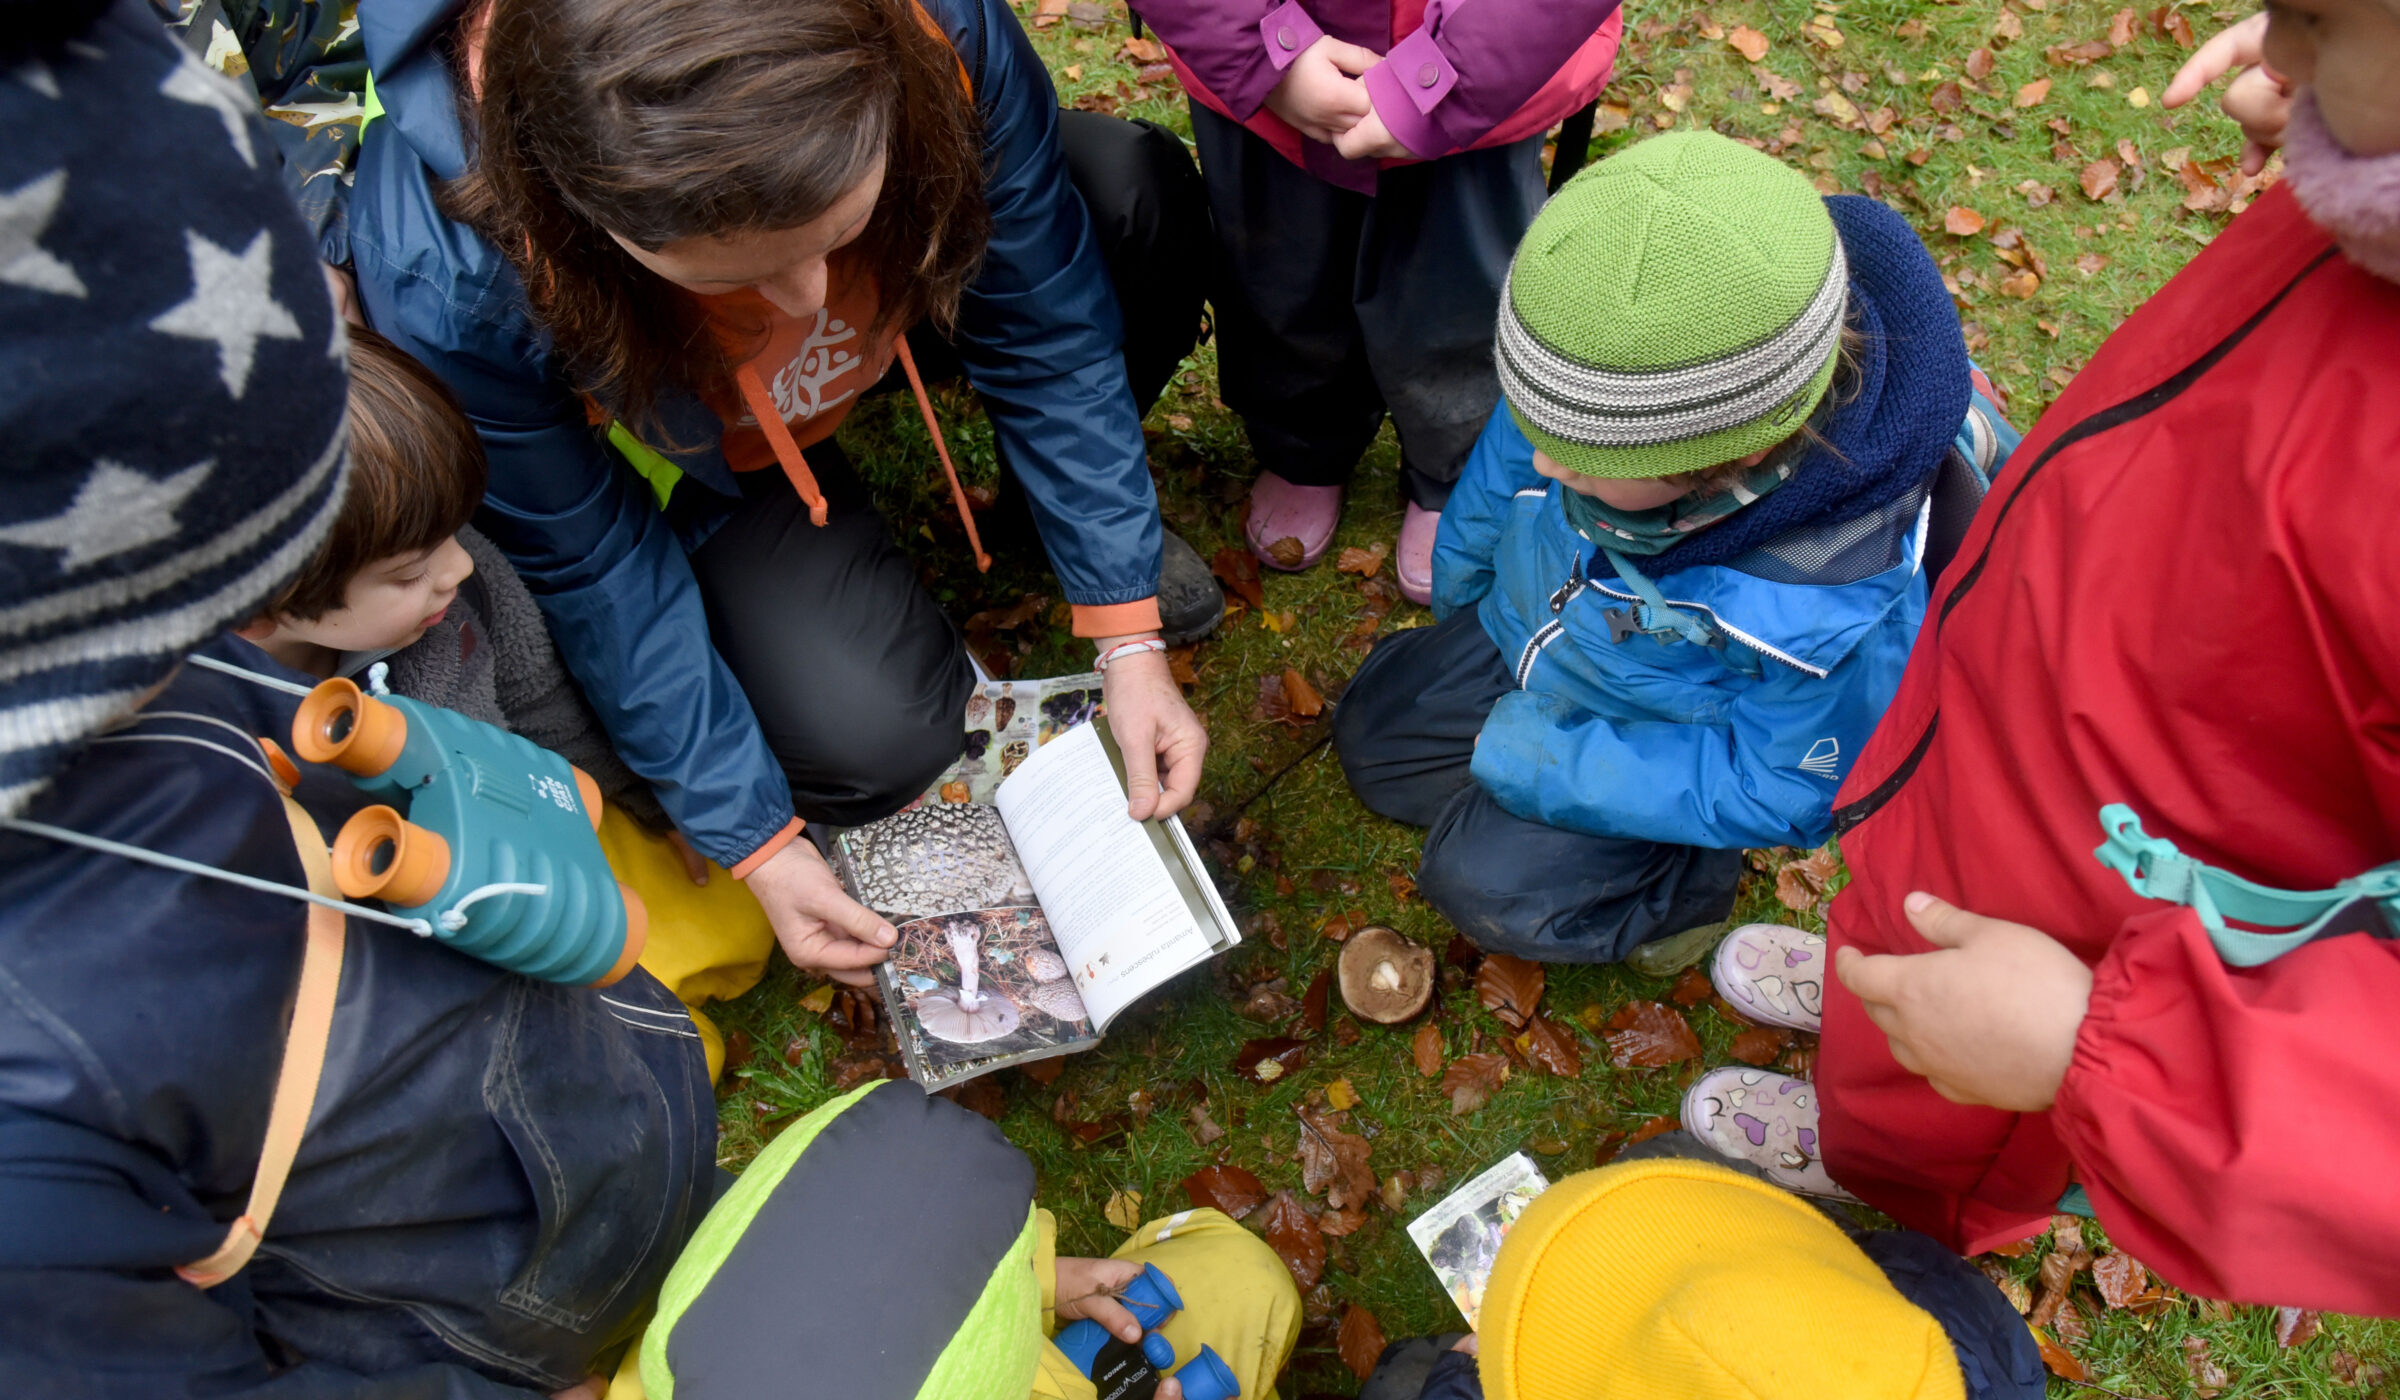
(1460, 1234)
(1029, 918)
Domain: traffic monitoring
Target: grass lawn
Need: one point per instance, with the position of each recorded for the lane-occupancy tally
(2025, 142)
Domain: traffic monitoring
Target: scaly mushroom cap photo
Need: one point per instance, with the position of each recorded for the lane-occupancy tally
(1385, 978)
(1045, 965)
(966, 1016)
(1059, 999)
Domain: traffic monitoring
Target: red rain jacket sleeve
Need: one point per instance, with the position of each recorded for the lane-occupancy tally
(2234, 1125)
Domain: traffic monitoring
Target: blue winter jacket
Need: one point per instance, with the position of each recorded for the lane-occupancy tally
(1039, 333)
(1620, 725)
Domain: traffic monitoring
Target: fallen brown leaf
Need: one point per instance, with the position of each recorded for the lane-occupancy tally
(1647, 1035)
(1510, 987)
(1470, 1080)
(1141, 51)
(2119, 1276)
(1760, 1045)
(1204, 1128)
(1334, 1224)
(981, 1096)
(1691, 989)
(2120, 28)
(1748, 42)
(1366, 563)
(1652, 1127)
(2032, 93)
(1269, 1058)
(1313, 1003)
(1124, 1210)
(1551, 1048)
(2293, 1326)
(1237, 569)
(1342, 925)
(1426, 1050)
(1305, 701)
(2020, 285)
(1043, 1071)
(1274, 704)
(1229, 1189)
(1333, 1163)
(1359, 1341)
(2062, 1362)
(1945, 98)
(2208, 1376)
(1979, 64)
(2011, 1287)
(1292, 1233)
(2099, 179)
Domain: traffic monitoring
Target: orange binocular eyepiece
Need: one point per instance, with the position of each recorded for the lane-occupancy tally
(380, 854)
(342, 725)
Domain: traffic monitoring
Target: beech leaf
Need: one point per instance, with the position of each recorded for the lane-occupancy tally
(2099, 179)
(2032, 93)
(1360, 1341)
(1551, 1048)
(1748, 42)
(1962, 221)
(1312, 1006)
(1426, 1049)
(1229, 1189)
(2121, 1278)
(1760, 1045)
(2062, 1362)
(1366, 563)
(1979, 64)
(2294, 1326)
(1647, 1035)
(1293, 1234)
(1691, 989)
(1333, 1163)
(1510, 988)
(1303, 697)
(1470, 1080)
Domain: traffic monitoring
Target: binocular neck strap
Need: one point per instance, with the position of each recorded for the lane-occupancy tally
(303, 1062)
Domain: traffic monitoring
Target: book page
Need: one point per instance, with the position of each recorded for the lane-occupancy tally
(1116, 912)
(1460, 1234)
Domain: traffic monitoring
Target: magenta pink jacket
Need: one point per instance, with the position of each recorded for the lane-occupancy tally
(1457, 74)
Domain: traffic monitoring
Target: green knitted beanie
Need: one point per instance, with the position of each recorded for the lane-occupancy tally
(1677, 306)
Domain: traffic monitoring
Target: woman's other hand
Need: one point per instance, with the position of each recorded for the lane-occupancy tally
(822, 929)
(1089, 1288)
(1372, 140)
(1320, 94)
(2257, 99)
(1162, 740)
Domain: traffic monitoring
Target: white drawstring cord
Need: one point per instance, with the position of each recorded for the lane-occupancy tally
(455, 917)
(210, 663)
(418, 927)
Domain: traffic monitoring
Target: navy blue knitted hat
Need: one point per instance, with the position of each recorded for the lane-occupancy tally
(171, 378)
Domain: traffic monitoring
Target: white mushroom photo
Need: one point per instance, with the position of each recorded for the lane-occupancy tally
(966, 1016)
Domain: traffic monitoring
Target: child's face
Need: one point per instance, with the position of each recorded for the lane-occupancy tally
(2348, 50)
(390, 603)
(1629, 492)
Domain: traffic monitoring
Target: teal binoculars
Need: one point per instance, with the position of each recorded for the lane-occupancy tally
(489, 839)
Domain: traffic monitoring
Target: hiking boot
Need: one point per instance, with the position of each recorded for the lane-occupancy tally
(1774, 974)
(1414, 563)
(1766, 1119)
(1190, 601)
(1664, 957)
(1290, 527)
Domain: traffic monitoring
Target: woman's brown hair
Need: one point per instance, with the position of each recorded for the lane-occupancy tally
(416, 476)
(660, 120)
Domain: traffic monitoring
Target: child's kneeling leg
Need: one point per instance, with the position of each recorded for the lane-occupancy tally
(1238, 1298)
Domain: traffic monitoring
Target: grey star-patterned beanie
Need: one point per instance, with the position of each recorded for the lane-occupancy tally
(171, 379)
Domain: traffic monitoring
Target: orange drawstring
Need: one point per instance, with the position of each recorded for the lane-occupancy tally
(941, 449)
(779, 437)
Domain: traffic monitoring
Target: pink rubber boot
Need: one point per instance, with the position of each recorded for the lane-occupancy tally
(1415, 564)
(1291, 527)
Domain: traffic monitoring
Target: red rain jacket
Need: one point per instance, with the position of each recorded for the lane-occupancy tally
(2182, 594)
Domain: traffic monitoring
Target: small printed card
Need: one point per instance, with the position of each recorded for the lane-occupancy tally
(1460, 1236)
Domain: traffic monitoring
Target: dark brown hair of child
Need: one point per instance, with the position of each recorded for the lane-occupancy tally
(416, 475)
(660, 120)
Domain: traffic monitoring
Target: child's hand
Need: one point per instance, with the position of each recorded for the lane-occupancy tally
(1320, 94)
(1989, 1018)
(1371, 140)
(695, 865)
(1089, 1288)
(2256, 98)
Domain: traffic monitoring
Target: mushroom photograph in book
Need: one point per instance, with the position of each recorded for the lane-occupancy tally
(983, 984)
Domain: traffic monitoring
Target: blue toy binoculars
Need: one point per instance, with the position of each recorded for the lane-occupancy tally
(498, 848)
(1128, 1371)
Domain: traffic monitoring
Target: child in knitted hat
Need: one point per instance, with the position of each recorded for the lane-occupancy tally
(1680, 576)
(1676, 1279)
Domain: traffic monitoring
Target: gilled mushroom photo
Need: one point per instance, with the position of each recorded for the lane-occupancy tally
(966, 1015)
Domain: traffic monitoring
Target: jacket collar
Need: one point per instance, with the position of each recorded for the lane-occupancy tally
(413, 79)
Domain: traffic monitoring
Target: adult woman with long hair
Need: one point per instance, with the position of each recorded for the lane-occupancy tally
(659, 247)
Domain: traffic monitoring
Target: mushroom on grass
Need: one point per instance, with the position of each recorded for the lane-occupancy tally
(966, 1016)
(1385, 978)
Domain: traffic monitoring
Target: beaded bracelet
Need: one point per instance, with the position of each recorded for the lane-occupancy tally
(1127, 649)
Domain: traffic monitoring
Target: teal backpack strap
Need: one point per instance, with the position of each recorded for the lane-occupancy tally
(2156, 870)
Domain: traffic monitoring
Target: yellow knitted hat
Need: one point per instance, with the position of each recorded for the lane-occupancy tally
(1685, 1281)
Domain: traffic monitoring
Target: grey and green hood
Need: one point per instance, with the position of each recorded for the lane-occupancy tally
(882, 1248)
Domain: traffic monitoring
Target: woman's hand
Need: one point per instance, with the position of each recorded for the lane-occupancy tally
(1371, 140)
(1155, 730)
(821, 928)
(1089, 1288)
(1320, 94)
(2257, 99)
(1989, 1018)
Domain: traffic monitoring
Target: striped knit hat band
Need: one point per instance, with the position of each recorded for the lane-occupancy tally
(1604, 407)
(1675, 307)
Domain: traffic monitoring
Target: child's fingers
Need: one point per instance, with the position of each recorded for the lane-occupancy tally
(1350, 58)
(2236, 47)
(1939, 922)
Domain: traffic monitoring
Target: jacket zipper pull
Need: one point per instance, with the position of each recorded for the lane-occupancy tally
(1565, 594)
